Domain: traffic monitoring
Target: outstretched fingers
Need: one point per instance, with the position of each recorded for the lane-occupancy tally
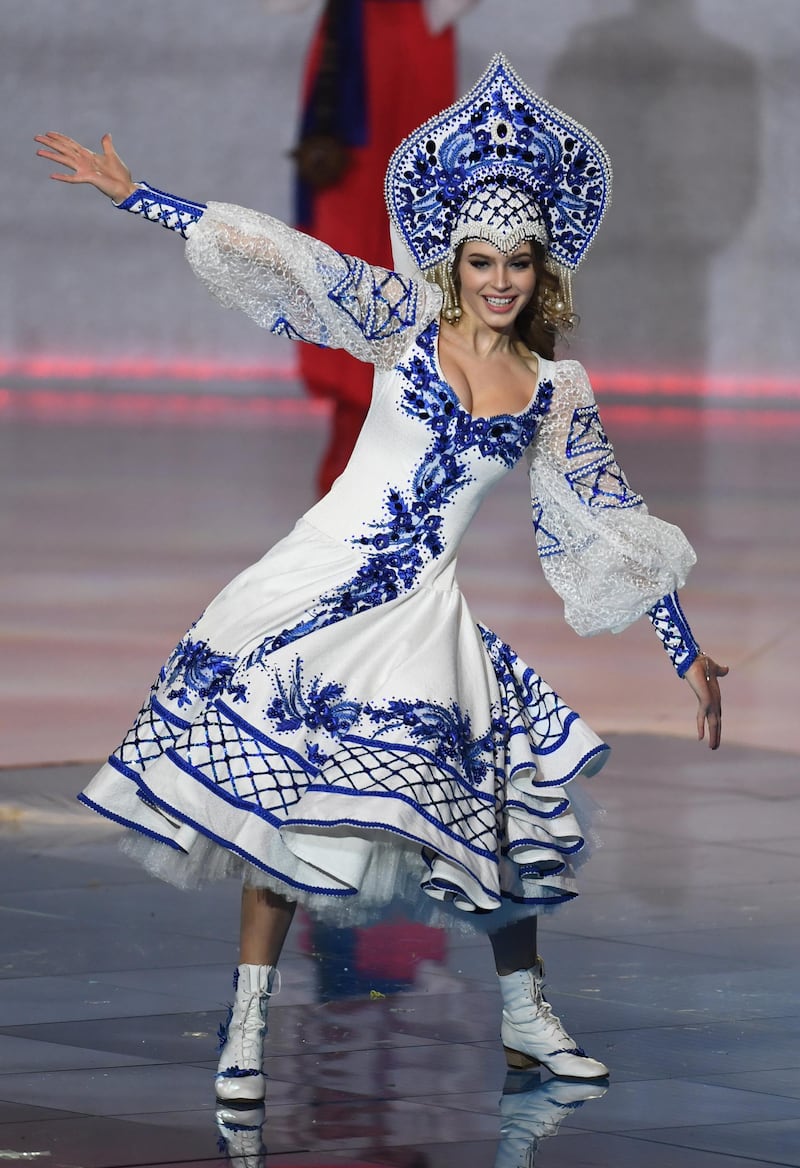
(66, 152)
(106, 171)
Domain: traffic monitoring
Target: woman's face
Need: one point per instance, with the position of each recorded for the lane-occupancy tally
(495, 287)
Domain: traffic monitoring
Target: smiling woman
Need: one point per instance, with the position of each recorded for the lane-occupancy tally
(540, 318)
(481, 353)
(490, 280)
(336, 727)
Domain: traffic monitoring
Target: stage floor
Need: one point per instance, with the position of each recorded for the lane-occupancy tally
(677, 965)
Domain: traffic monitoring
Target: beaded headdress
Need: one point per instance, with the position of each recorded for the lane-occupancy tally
(501, 164)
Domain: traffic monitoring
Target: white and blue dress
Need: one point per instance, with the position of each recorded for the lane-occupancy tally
(336, 726)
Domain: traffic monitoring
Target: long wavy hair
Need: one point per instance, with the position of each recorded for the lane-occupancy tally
(544, 319)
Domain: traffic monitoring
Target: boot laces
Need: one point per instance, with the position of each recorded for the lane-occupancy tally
(253, 1027)
(550, 1022)
(245, 1029)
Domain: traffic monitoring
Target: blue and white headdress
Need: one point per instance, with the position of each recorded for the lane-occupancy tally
(501, 164)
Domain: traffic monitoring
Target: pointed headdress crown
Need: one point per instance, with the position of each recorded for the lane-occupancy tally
(501, 164)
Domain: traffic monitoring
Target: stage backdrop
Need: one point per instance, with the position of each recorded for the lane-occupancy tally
(696, 100)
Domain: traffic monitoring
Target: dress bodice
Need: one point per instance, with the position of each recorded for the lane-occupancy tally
(423, 464)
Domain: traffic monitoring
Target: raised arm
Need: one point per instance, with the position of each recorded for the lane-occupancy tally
(603, 553)
(286, 281)
(297, 286)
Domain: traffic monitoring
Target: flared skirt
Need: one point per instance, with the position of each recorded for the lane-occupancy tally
(354, 758)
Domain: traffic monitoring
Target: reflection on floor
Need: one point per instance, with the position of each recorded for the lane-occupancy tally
(676, 966)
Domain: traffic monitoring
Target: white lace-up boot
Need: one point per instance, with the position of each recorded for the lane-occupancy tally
(532, 1115)
(532, 1033)
(239, 1075)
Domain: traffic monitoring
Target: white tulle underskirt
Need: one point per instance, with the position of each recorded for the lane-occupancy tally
(392, 881)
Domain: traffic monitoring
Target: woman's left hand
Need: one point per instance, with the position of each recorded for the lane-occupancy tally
(703, 676)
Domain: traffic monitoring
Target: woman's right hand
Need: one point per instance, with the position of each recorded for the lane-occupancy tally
(105, 171)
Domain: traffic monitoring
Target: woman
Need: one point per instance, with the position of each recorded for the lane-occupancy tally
(335, 726)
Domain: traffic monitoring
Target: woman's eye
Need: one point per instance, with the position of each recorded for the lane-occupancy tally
(478, 263)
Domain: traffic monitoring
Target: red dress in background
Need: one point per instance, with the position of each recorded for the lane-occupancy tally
(407, 74)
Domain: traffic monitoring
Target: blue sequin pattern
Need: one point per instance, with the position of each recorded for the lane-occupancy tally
(194, 671)
(408, 534)
(504, 136)
(668, 619)
(379, 302)
(599, 482)
(547, 544)
(321, 707)
(586, 433)
(175, 214)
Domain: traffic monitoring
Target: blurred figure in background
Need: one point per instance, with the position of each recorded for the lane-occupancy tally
(375, 70)
(687, 166)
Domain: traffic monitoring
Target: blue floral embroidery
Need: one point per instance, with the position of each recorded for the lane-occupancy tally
(447, 733)
(379, 580)
(456, 432)
(195, 670)
(409, 533)
(320, 707)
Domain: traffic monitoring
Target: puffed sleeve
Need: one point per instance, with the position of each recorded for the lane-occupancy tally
(296, 286)
(607, 558)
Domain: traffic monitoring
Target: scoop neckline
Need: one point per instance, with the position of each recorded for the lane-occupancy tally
(485, 417)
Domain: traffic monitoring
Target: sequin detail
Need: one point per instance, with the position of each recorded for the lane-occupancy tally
(487, 159)
(409, 533)
(194, 671)
(378, 301)
(672, 627)
(159, 207)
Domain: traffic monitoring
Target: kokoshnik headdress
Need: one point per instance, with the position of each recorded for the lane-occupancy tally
(503, 165)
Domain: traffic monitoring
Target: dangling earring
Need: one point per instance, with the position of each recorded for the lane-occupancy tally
(442, 274)
(555, 304)
(553, 308)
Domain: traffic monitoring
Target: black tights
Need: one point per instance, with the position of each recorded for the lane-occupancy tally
(514, 946)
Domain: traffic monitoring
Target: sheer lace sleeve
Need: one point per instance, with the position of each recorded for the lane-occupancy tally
(607, 558)
(298, 287)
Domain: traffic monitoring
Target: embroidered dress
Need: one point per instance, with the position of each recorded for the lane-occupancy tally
(336, 725)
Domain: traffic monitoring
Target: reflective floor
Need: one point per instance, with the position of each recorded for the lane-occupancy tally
(677, 965)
